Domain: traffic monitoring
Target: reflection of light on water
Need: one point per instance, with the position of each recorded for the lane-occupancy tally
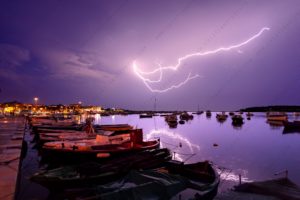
(173, 136)
(231, 176)
(174, 156)
(113, 117)
(160, 132)
(97, 119)
(76, 119)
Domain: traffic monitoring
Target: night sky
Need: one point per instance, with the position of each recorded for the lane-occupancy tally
(65, 51)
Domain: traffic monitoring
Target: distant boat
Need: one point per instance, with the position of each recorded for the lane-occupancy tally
(237, 120)
(199, 112)
(276, 116)
(231, 113)
(221, 117)
(186, 116)
(146, 115)
(249, 114)
(171, 120)
(208, 113)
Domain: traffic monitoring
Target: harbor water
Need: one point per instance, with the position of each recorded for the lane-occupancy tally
(254, 151)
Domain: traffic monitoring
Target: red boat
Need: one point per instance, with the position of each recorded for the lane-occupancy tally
(101, 147)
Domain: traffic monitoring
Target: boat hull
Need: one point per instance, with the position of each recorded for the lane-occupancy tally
(69, 155)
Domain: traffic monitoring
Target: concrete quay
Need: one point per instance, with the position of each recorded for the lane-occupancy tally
(11, 140)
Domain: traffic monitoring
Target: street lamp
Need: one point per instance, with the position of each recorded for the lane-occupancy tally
(35, 100)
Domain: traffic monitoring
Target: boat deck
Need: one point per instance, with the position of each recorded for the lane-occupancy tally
(11, 139)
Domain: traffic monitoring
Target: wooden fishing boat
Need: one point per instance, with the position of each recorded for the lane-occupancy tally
(101, 147)
(58, 129)
(80, 127)
(161, 183)
(45, 130)
(80, 135)
(65, 136)
(88, 174)
(51, 121)
(276, 116)
(75, 127)
(113, 127)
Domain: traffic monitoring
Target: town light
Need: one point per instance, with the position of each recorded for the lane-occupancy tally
(35, 100)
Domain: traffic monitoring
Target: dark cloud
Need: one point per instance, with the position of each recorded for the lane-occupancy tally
(86, 49)
(12, 57)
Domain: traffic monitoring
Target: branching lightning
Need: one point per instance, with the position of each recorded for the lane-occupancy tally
(147, 81)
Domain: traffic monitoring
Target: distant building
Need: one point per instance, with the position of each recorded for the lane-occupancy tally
(17, 108)
(91, 109)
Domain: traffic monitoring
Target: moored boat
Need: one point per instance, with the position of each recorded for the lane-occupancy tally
(146, 115)
(161, 183)
(171, 120)
(231, 113)
(92, 173)
(113, 127)
(181, 121)
(237, 120)
(221, 117)
(101, 147)
(208, 113)
(70, 136)
(198, 113)
(186, 116)
(277, 116)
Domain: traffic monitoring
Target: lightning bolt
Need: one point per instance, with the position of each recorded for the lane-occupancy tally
(142, 74)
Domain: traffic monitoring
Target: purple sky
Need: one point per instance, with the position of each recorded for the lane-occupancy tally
(69, 51)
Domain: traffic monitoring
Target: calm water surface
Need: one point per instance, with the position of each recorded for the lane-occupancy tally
(256, 150)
